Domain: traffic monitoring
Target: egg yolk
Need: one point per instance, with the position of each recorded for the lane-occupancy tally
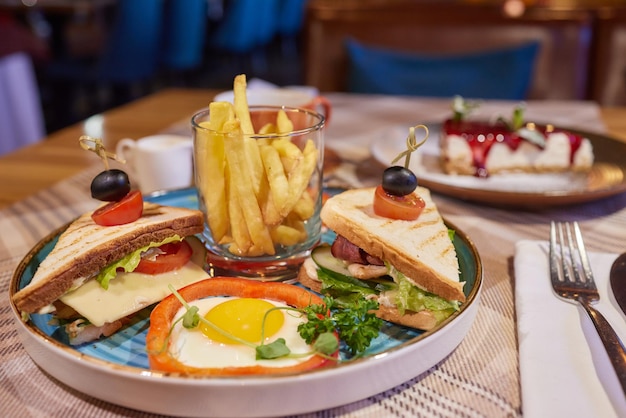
(243, 318)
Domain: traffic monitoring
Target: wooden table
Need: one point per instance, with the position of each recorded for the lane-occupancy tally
(49, 184)
(58, 156)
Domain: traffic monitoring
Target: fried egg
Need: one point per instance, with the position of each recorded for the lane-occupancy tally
(205, 347)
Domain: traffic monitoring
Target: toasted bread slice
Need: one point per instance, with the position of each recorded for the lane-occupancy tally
(85, 248)
(420, 249)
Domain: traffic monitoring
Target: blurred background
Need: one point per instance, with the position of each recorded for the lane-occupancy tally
(75, 58)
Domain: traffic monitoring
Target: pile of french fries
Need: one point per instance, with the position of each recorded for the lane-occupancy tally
(255, 191)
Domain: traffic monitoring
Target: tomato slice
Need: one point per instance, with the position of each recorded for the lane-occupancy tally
(124, 211)
(407, 208)
(175, 255)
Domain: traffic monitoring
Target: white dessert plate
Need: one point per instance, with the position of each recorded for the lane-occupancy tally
(606, 178)
(115, 369)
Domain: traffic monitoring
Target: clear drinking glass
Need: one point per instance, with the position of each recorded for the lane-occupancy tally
(261, 194)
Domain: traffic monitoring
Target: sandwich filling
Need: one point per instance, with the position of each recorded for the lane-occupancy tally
(100, 304)
(366, 276)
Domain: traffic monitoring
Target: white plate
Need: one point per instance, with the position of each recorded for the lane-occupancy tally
(608, 176)
(115, 369)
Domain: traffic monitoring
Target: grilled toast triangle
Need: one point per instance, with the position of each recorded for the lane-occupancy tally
(85, 248)
(420, 249)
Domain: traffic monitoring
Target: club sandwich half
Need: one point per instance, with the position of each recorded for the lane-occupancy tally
(88, 282)
(409, 267)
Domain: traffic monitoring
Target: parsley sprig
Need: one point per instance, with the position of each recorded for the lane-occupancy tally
(355, 323)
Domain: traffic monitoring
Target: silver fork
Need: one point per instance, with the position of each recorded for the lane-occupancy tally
(572, 279)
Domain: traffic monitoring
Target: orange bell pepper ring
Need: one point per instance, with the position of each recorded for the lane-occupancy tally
(162, 317)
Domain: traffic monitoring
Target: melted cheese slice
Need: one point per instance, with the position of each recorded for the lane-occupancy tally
(128, 293)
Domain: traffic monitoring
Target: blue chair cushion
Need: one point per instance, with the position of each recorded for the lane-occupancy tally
(495, 74)
(184, 34)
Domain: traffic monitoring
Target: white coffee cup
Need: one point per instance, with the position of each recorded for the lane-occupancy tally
(158, 162)
(302, 97)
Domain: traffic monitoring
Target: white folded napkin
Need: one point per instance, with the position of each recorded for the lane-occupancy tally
(564, 369)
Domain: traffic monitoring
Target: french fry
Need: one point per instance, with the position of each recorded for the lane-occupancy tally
(300, 176)
(290, 154)
(210, 161)
(255, 251)
(304, 207)
(267, 129)
(242, 191)
(271, 215)
(242, 111)
(240, 101)
(294, 231)
(228, 238)
(286, 235)
(283, 123)
(241, 236)
(220, 113)
(294, 222)
(278, 183)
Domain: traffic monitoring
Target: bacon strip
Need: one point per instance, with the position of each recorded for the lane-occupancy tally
(345, 250)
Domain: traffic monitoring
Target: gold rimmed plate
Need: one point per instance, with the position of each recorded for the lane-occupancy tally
(606, 178)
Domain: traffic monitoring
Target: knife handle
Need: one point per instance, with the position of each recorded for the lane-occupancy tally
(612, 343)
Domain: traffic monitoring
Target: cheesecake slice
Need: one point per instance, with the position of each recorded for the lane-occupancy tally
(481, 148)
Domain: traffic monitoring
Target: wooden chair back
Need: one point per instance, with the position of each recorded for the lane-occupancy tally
(608, 71)
(439, 27)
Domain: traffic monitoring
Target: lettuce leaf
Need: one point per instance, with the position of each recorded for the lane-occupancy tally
(129, 262)
(412, 298)
(342, 288)
(405, 295)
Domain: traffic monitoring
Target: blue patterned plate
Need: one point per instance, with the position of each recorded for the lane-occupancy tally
(115, 369)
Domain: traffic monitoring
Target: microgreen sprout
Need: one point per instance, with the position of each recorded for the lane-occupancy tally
(411, 145)
(461, 108)
(96, 145)
(517, 120)
(526, 131)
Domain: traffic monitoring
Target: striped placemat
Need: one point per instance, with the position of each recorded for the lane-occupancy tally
(479, 378)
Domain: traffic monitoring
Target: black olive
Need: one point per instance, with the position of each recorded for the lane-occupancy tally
(399, 181)
(110, 185)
